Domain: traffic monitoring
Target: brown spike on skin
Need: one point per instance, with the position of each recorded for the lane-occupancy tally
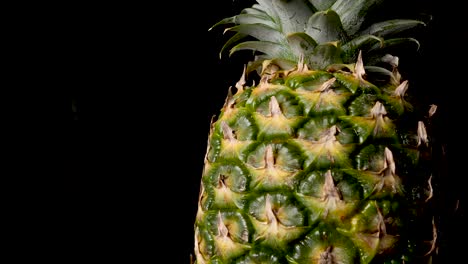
(389, 162)
(221, 181)
(323, 89)
(434, 238)
(227, 132)
(271, 217)
(392, 60)
(269, 69)
(378, 112)
(269, 157)
(301, 66)
(382, 229)
(330, 193)
(388, 177)
(200, 257)
(422, 134)
(329, 190)
(240, 84)
(223, 231)
(208, 144)
(432, 110)
(386, 240)
(201, 196)
(328, 139)
(401, 89)
(431, 191)
(268, 173)
(274, 107)
(359, 71)
(326, 145)
(229, 102)
(327, 257)
(329, 135)
(264, 82)
(272, 228)
(326, 85)
(272, 221)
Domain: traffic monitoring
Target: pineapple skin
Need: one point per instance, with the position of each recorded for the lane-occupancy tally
(329, 165)
(309, 166)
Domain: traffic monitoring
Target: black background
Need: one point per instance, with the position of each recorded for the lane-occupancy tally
(148, 81)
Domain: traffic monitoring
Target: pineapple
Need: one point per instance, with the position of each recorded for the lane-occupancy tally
(324, 158)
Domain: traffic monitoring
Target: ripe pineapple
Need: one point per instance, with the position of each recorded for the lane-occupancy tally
(325, 159)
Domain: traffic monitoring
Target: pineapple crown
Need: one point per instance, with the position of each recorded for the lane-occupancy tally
(320, 33)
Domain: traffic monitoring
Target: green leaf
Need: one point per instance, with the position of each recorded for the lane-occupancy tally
(352, 12)
(379, 70)
(248, 16)
(255, 10)
(274, 50)
(324, 55)
(291, 15)
(266, 8)
(389, 27)
(260, 32)
(394, 42)
(325, 26)
(352, 47)
(301, 43)
(322, 4)
(234, 39)
(254, 19)
(228, 20)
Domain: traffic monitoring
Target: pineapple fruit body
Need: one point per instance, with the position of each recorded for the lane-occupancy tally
(324, 160)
